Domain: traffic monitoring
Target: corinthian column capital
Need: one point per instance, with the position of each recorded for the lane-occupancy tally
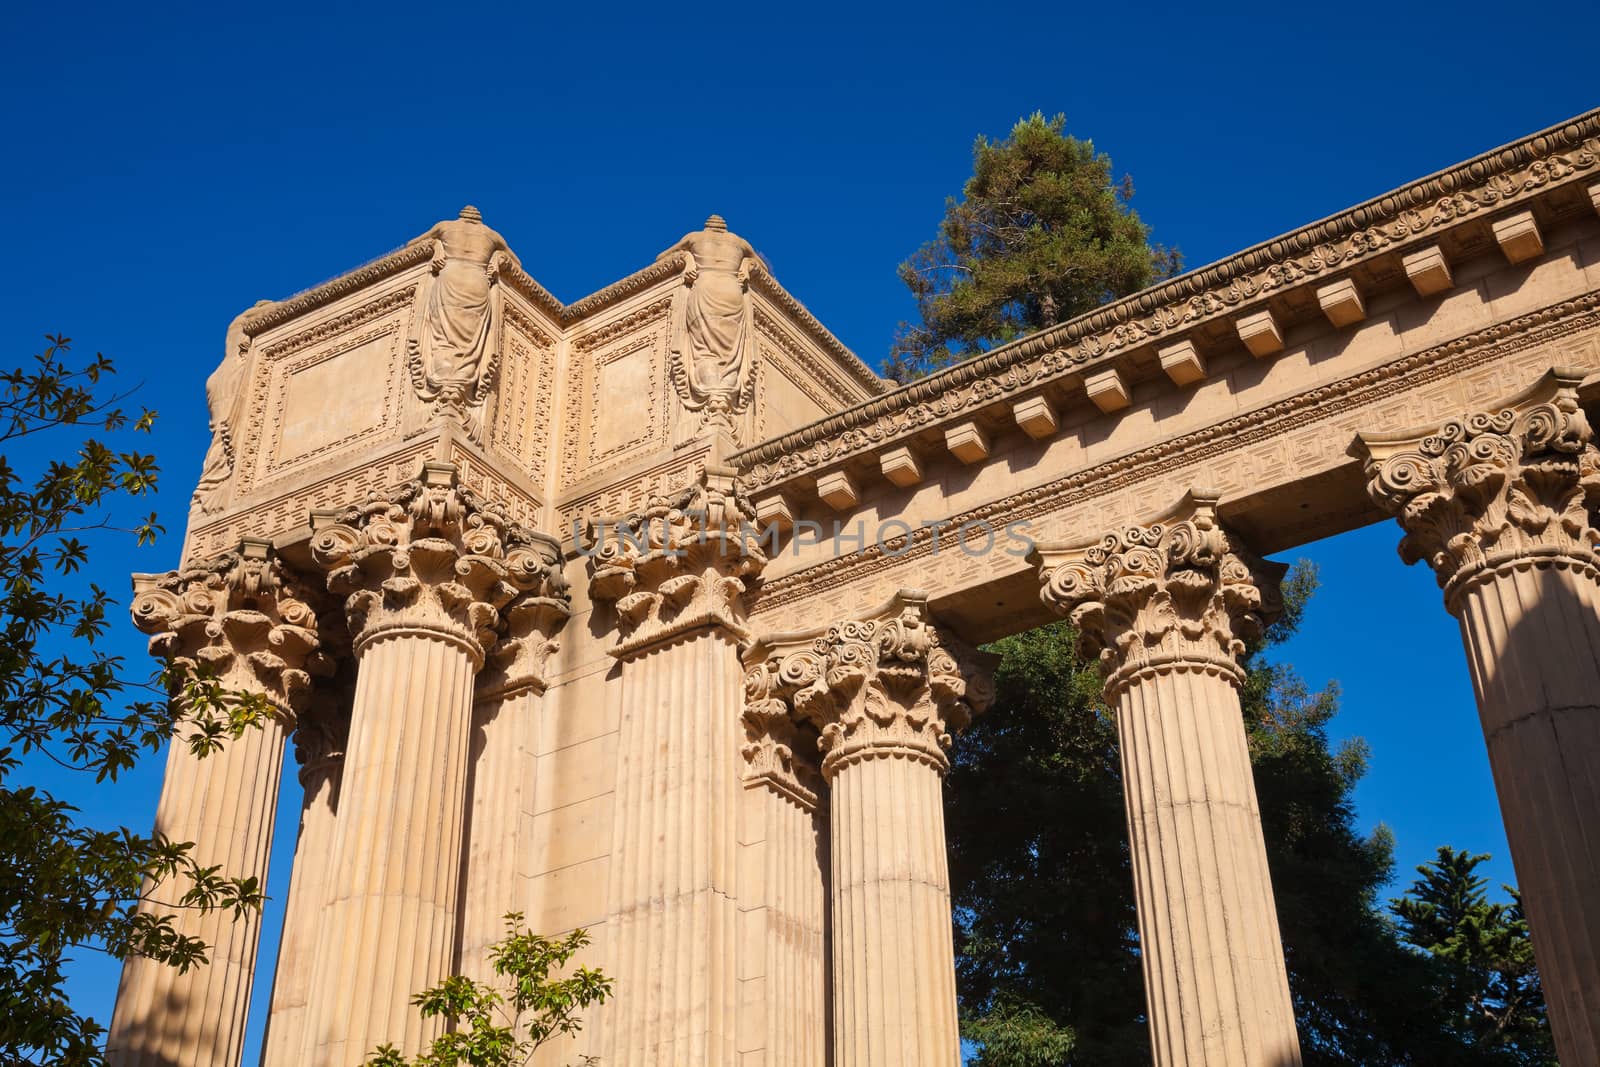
(242, 617)
(429, 557)
(1181, 593)
(682, 563)
(527, 636)
(892, 684)
(1492, 489)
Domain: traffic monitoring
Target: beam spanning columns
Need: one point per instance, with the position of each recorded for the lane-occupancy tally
(423, 569)
(245, 618)
(1167, 607)
(510, 703)
(1501, 505)
(320, 738)
(886, 693)
(676, 575)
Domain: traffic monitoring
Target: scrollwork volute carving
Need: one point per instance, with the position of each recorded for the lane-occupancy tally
(429, 557)
(895, 685)
(242, 618)
(682, 563)
(1516, 486)
(779, 750)
(323, 730)
(1179, 594)
(527, 637)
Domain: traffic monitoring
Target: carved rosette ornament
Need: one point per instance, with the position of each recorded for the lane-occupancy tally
(241, 618)
(429, 557)
(896, 685)
(1516, 487)
(681, 564)
(1180, 594)
(527, 636)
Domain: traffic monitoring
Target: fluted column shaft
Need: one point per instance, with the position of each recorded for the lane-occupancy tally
(1215, 982)
(239, 620)
(500, 790)
(1532, 636)
(389, 923)
(673, 905)
(893, 959)
(1501, 505)
(285, 1039)
(225, 804)
(1167, 607)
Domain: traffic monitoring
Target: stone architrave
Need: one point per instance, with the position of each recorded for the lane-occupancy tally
(676, 574)
(1168, 608)
(320, 737)
(713, 335)
(424, 570)
(245, 623)
(223, 390)
(454, 355)
(885, 692)
(1501, 505)
(506, 715)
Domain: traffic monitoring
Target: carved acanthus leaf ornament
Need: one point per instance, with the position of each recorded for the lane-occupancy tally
(894, 685)
(242, 619)
(1179, 594)
(527, 637)
(682, 563)
(1516, 487)
(427, 557)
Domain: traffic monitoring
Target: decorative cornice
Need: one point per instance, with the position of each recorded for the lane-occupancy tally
(1180, 594)
(894, 684)
(521, 283)
(1418, 368)
(345, 284)
(242, 618)
(340, 323)
(428, 557)
(1408, 216)
(638, 281)
(1514, 487)
(682, 563)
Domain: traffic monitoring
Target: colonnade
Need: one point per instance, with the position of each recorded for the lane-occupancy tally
(825, 774)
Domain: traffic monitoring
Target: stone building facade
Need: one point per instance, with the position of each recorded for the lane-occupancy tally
(657, 614)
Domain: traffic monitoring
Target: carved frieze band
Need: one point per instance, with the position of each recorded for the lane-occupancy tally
(1179, 594)
(1403, 218)
(893, 685)
(242, 619)
(1510, 487)
(681, 564)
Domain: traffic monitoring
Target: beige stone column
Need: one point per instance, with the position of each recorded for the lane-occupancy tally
(676, 574)
(1167, 607)
(500, 775)
(424, 573)
(783, 892)
(886, 692)
(320, 738)
(243, 618)
(1502, 505)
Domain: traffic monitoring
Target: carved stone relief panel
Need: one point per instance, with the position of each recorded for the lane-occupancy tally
(615, 407)
(325, 389)
(525, 392)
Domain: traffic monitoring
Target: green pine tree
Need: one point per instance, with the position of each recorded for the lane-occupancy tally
(1042, 232)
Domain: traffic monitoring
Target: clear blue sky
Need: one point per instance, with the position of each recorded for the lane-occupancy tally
(169, 165)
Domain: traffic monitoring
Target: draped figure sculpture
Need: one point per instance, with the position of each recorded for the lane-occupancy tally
(712, 330)
(453, 356)
(223, 389)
